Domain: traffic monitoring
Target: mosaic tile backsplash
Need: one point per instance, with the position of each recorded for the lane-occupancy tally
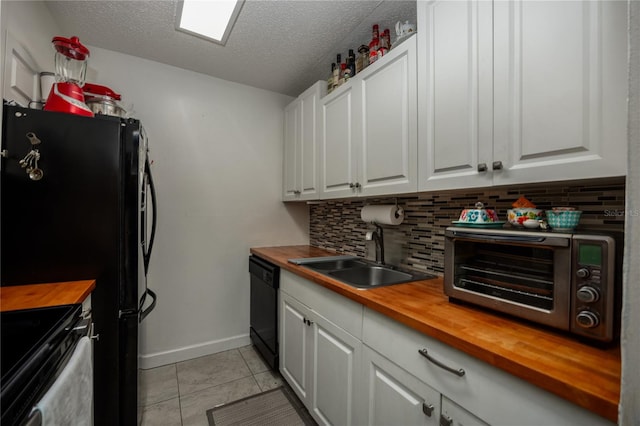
(418, 243)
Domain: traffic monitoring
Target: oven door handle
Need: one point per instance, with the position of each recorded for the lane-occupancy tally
(538, 240)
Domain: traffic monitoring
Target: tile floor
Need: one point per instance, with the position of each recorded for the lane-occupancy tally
(180, 394)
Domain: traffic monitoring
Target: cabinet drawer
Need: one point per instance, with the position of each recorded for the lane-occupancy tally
(489, 393)
(335, 308)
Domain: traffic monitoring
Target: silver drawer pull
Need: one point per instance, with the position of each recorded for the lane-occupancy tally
(459, 372)
(445, 420)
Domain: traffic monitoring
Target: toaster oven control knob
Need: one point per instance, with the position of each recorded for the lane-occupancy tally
(582, 273)
(588, 294)
(587, 319)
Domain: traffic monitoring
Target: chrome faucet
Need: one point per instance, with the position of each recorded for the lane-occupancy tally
(378, 237)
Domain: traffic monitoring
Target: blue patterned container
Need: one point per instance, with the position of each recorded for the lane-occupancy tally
(563, 219)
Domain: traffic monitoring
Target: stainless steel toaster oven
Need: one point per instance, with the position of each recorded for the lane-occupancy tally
(570, 281)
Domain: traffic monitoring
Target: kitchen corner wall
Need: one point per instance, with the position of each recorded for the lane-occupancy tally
(217, 157)
(418, 242)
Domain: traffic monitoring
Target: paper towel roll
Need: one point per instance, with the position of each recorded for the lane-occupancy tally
(386, 214)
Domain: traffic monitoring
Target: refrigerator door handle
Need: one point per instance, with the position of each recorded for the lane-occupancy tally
(145, 312)
(154, 214)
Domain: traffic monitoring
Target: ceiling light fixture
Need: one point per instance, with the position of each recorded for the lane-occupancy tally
(208, 19)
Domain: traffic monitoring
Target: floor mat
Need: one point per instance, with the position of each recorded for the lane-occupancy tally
(274, 407)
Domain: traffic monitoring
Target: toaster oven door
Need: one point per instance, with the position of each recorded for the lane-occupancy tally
(522, 274)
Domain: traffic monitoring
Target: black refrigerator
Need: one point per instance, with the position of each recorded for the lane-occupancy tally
(84, 210)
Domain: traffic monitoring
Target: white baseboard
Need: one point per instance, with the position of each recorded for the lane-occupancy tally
(194, 351)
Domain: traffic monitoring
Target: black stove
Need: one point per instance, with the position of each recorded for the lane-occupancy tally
(34, 345)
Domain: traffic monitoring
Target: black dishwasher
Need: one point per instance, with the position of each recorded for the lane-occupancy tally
(265, 280)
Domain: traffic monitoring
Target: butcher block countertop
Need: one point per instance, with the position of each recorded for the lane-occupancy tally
(585, 375)
(31, 296)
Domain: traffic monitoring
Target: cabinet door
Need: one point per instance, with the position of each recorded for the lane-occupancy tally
(336, 367)
(295, 346)
(455, 415)
(455, 94)
(394, 397)
(560, 90)
(387, 121)
(21, 79)
(308, 144)
(338, 146)
(291, 138)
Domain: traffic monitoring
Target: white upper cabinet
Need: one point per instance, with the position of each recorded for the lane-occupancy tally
(455, 93)
(520, 91)
(388, 123)
(291, 138)
(560, 90)
(338, 152)
(21, 78)
(369, 129)
(301, 121)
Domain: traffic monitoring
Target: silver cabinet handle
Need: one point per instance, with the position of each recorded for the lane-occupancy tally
(445, 420)
(482, 167)
(296, 192)
(497, 165)
(427, 409)
(352, 185)
(459, 372)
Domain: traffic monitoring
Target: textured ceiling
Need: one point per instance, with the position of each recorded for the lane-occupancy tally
(277, 45)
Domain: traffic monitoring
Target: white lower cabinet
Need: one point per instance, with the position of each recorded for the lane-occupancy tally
(319, 359)
(294, 345)
(394, 396)
(454, 415)
(482, 392)
(335, 358)
(353, 366)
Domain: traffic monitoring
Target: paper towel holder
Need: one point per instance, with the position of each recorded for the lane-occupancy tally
(399, 211)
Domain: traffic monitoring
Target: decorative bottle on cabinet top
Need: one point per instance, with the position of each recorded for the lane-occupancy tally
(330, 80)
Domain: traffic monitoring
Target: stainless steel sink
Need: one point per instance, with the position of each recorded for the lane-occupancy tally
(371, 276)
(359, 273)
(339, 264)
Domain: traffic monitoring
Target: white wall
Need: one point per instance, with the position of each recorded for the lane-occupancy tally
(31, 23)
(629, 409)
(217, 151)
